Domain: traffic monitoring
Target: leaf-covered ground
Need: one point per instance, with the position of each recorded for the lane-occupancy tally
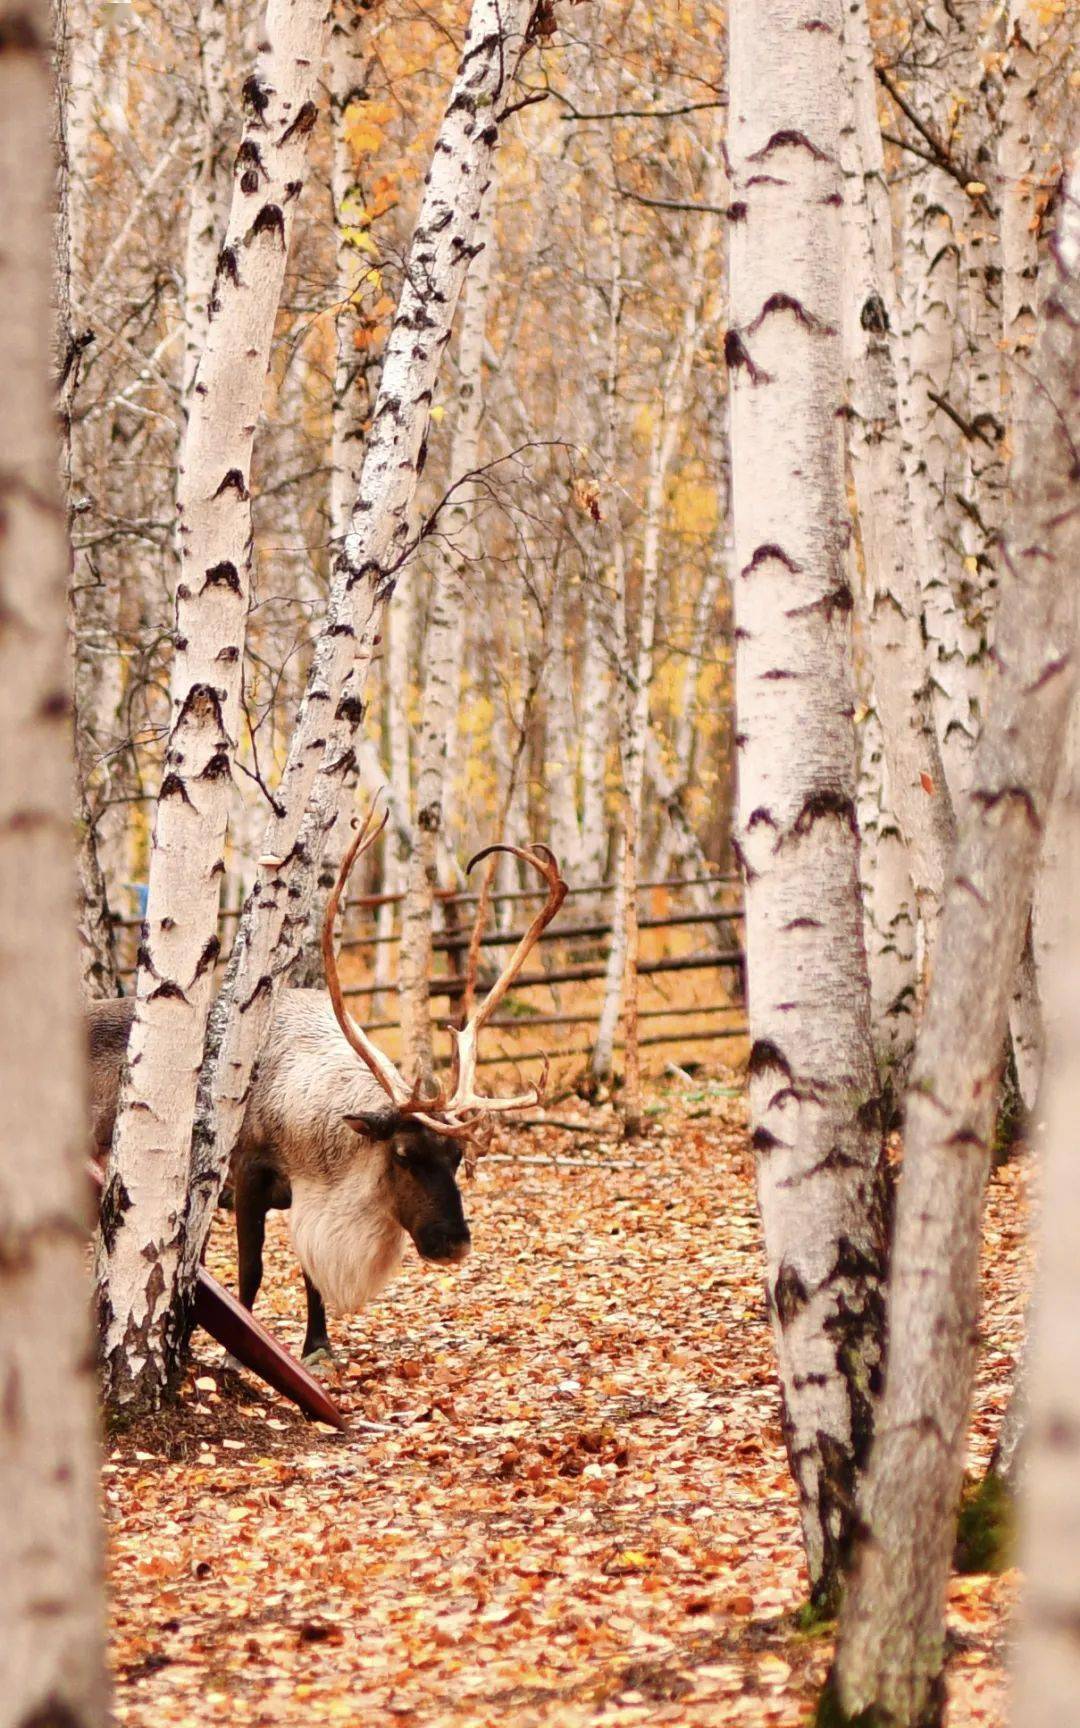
(563, 1498)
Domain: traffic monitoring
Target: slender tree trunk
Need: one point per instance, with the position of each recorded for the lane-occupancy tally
(902, 698)
(889, 911)
(210, 189)
(442, 658)
(891, 1650)
(51, 1609)
(96, 952)
(375, 547)
(1018, 180)
(813, 1087)
(350, 408)
(595, 736)
(561, 738)
(93, 608)
(142, 1313)
(1047, 1659)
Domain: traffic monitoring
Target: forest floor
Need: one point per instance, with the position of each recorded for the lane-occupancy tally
(563, 1496)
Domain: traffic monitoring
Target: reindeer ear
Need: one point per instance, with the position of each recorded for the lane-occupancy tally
(374, 1124)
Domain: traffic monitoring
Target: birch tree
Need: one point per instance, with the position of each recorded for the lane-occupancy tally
(813, 1088)
(892, 1635)
(1047, 1663)
(445, 635)
(51, 1610)
(377, 544)
(901, 687)
(143, 1206)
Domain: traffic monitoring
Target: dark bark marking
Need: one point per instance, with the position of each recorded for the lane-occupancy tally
(268, 221)
(115, 1201)
(255, 96)
(770, 552)
(781, 302)
(737, 354)
(167, 991)
(788, 137)
(223, 575)
(789, 1295)
(825, 803)
(874, 316)
(234, 480)
(737, 212)
(173, 787)
(767, 1058)
(306, 117)
(20, 35)
(1013, 794)
(202, 703)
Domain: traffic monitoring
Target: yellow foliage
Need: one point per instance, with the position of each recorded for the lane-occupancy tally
(694, 506)
(363, 124)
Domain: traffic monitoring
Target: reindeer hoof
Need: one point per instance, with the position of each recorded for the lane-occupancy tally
(321, 1357)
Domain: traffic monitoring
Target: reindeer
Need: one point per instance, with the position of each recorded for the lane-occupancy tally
(358, 1157)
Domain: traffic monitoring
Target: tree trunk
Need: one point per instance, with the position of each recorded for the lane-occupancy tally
(442, 658)
(1047, 1688)
(209, 192)
(51, 1607)
(142, 1315)
(375, 547)
(813, 1087)
(1017, 181)
(891, 1650)
(902, 699)
(889, 912)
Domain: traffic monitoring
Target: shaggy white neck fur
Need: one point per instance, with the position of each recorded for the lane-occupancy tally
(347, 1242)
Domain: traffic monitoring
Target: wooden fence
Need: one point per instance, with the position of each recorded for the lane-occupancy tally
(680, 940)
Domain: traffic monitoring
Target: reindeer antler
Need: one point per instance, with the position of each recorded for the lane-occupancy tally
(404, 1097)
(464, 1112)
(463, 1095)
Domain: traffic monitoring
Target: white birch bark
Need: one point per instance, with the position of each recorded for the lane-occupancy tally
(349, 408)
(1047, 1660)
(51, 1606)
(934, 214)
(143, 1318)
(891, 1650)
(902, 699)
(1018, 181)
(209, 191)
(889, 909)
(442, 657)
(375, 547)
(813, 1087)
(561, 751)
(595, 735)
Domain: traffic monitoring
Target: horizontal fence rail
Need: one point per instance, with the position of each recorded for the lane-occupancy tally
(569, 956)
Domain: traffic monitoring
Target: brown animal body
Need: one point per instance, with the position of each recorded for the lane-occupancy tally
(321, 1140)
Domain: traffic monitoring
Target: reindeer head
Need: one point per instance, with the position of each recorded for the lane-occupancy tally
(422, 1172)
(426, 1134)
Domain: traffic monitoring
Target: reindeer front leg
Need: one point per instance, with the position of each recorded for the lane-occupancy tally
(316, 1342)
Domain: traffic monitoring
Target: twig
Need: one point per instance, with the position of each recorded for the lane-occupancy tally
(564, 1163)
(969, 428)
(943, 158)
(670, 203)
(562, 1122)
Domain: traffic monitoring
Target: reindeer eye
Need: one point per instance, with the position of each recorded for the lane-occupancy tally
(401, 1154)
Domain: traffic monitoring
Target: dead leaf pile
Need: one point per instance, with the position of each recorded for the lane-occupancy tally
(563, 1497)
